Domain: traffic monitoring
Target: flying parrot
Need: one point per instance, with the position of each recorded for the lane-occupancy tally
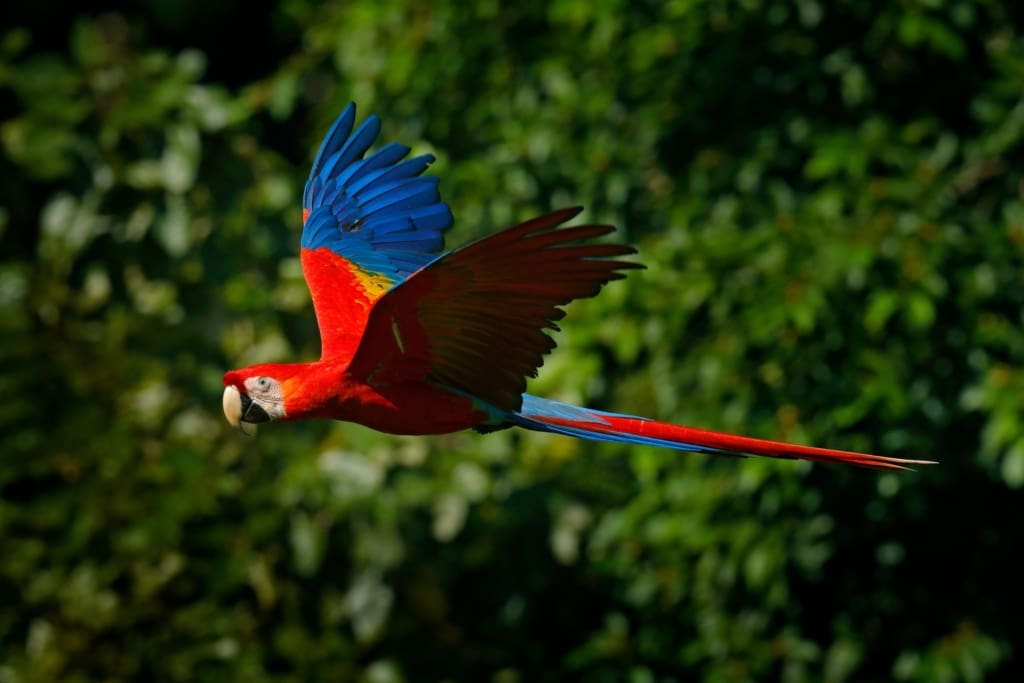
(415, 341)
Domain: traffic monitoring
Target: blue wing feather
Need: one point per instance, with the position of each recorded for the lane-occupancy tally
(407, 169)
(354, 148)
(337, 135)
(379, 162)
(428, 218)
(377, 211)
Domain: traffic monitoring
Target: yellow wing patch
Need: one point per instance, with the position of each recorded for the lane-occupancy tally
(373, 284)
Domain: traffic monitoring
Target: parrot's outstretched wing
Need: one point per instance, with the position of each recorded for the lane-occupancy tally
(474, 319)
(368, 222)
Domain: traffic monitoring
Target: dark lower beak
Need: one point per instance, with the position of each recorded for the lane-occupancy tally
(252, 412)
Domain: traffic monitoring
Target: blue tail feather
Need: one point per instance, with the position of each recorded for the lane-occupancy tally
(535, 407)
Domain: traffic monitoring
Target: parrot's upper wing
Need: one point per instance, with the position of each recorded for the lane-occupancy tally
(474, 319)
(368, 223)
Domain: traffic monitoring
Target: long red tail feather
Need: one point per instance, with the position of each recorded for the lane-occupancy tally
(552, 416)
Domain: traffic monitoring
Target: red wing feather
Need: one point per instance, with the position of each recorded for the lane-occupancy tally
(474, 319)
(343, 296)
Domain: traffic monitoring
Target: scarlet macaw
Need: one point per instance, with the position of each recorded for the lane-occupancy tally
(419, 343)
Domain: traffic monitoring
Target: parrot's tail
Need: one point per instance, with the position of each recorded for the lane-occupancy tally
(544, 415)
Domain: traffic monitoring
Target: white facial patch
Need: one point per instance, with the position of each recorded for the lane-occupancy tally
(267, 394)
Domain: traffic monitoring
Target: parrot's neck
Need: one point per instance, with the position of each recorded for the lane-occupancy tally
(310, 389)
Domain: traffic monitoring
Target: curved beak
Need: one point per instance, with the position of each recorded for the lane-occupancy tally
(232, 402)
(240, 408)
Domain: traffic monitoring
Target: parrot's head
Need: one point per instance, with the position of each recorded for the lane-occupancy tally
(253, 395)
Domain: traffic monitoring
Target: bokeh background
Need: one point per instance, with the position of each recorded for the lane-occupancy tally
(829, 197)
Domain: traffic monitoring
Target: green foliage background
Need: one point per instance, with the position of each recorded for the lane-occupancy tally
(829, 199)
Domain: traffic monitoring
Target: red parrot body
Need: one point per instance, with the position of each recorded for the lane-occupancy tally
(419, 343)
(324, 389)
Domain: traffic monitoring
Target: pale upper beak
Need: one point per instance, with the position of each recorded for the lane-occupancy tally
(239, 408)
(232, 403)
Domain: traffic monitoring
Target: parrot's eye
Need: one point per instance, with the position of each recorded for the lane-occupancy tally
(263, 383)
